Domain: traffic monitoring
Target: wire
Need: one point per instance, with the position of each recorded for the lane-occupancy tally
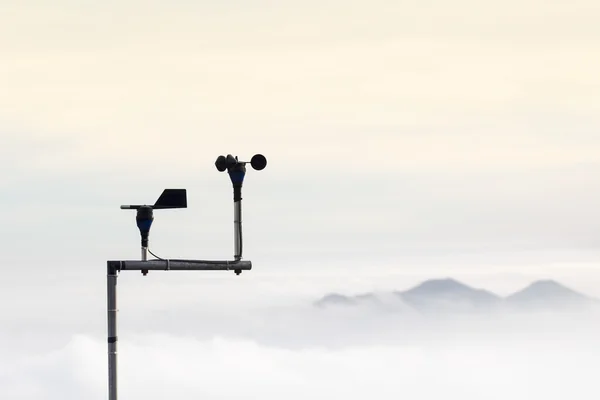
(149, 251)
(240, 233)
(241, 249)
(205, 261)
(193, 261)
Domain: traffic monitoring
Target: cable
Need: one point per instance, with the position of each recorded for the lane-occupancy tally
(193, 261)
(205, 261)
(241, 242)
(162, 259)
(240, 233)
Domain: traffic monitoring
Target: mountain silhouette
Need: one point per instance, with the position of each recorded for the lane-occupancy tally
(341, 300)
(440, 294)
(450, 295)
(548, 293)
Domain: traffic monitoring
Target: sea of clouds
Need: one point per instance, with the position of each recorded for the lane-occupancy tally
(298, 351)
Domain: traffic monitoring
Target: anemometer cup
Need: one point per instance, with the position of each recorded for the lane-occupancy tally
(258, 162)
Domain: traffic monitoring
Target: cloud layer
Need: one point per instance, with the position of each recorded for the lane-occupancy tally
(235, 351)
(158, 366)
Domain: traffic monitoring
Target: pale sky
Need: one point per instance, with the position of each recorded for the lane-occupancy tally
(406, 141)
(397, 134)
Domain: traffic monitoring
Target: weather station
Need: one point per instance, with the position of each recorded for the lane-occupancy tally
(172, 199)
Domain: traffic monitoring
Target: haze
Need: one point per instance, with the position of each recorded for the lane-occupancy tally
(405, 142)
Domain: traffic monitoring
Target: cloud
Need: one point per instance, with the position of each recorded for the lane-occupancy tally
(221, 337)
(157, 366)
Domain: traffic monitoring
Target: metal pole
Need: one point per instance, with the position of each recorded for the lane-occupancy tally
(144, 254)
(111, 280)
(237, 227)
(181, 265)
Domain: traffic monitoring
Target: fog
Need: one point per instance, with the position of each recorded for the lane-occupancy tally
(294, 350)
(406, 141)
(163, 366)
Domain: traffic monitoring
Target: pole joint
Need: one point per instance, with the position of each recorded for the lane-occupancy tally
(113, 267)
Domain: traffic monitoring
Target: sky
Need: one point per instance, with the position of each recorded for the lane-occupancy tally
(405, 142)
(393, 131)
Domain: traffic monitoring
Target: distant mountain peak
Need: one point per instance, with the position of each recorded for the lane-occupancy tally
(437, 294)
(444, 284)
(335, 298)
(548, 287)
(547, 292)
(548, 284)
(448, 294)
